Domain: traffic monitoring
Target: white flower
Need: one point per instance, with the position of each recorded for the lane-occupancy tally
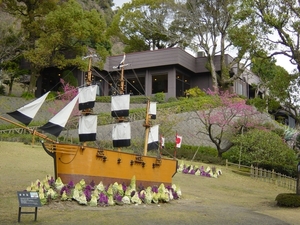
(111, 200)
(59, 184)
(100, 187)
(76, 194)
(126, 200)
(82, 200)
(51, 193)
(93, 201)
(136, 199)
(207, 169)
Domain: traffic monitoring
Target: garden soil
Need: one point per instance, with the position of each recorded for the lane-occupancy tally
(229, 199)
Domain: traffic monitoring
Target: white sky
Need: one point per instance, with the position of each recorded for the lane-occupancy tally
(120, 2)
(281, 60)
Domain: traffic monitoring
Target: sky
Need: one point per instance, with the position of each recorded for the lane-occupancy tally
(120, 2)
(282, 61)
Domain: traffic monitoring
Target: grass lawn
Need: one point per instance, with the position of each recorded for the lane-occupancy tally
(229, 199)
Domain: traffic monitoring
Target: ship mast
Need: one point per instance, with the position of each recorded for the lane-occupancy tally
(147, 126)
(88, 80)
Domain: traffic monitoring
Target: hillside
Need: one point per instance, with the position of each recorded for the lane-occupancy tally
(186, 124)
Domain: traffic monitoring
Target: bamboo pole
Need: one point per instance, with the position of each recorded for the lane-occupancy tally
(32, 131)
(147, 128)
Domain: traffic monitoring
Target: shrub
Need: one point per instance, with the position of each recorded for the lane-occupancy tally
(160, 97)
(288, 200)
(28, 95)
(194, 92)
(52, 95)
(2, 90)
(104, 99)
(197, 153)
(172, 99)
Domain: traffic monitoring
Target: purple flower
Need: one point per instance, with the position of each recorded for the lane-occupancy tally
(186, 170)
(175, 195)
(124, 187)
(142, 196)
(103, 199)
(192, 172)
(118, 197)
(88, 193)
(71, 184)
(155, 189)
(132, 194)
(92, 184)
(51, 182)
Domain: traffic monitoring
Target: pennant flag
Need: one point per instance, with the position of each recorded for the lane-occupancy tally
(178, 141)
(26, 113)
(87, 97)
(162, 142)
(120, 105)
(153, 138)
(121, 135)
(58, 122)
(87, 128)
(152, 110)
(121, 64)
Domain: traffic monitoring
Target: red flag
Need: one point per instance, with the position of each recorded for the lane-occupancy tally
(178, 141)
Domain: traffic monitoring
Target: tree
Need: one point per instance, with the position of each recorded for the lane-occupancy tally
(12, 71)
(69, 33)
(225, 117)
(149, 25)
(278, 86)
(58, 33)
(31, 15)
(220, 28)
(11, 42)
(279, 22)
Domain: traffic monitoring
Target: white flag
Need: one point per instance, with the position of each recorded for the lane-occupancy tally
(178, 141)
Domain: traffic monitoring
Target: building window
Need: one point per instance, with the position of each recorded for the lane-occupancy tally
(160, 84)
(136, 86)
(182, 84)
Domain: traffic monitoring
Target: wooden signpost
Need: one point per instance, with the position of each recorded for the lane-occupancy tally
(28, 199)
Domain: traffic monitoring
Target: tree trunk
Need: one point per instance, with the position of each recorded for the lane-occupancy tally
(32, 84)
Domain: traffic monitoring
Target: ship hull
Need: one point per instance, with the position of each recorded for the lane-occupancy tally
(75, 162)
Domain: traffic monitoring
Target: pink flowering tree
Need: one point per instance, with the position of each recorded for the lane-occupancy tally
(225, 117)
(67, 93)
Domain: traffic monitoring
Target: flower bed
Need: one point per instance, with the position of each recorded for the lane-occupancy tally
(100, 195)
(199, 171)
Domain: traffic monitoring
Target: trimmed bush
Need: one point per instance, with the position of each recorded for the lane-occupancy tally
(288, 200)
(205, 153)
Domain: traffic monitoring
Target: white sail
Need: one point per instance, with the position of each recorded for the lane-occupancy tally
(152, 110)
(153, 138)
(121, 134)
(87, 128)
(120, 105)
(58, 122)
(26, 113)
(87, 97)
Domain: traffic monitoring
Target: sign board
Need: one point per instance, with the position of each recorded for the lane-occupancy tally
(29, 199)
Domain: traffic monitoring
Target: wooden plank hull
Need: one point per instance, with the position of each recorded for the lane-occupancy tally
(74, 162)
